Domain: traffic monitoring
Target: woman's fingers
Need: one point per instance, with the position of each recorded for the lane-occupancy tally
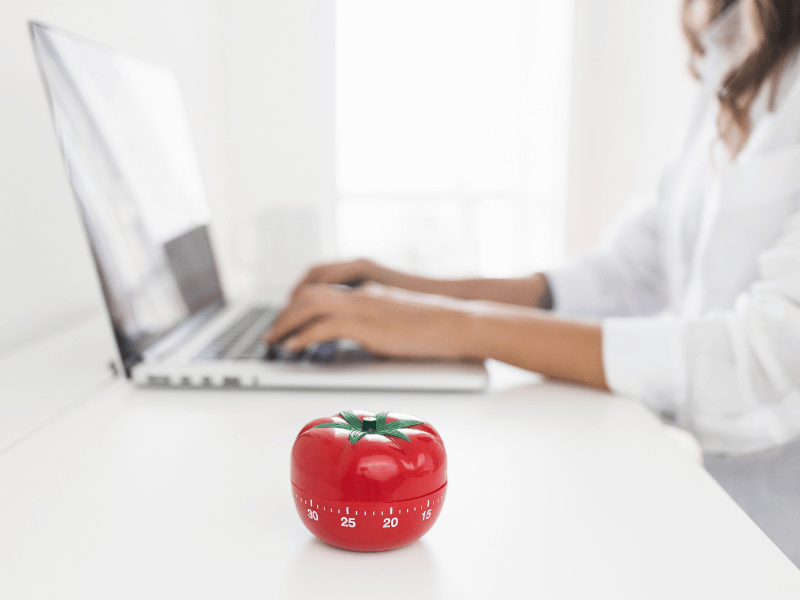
(320, 313)
(315, 302)
(310, 304)
(324, 330)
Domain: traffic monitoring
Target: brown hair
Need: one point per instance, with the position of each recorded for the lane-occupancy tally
(774, 31)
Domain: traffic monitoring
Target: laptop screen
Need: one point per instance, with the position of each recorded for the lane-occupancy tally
(131, 162)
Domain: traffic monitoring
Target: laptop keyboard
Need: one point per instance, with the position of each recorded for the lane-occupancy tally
(242, 340)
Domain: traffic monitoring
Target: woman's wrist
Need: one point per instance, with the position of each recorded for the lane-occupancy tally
(379, 274)
(406, 281)
(471, 330)
(481, 327)
(372, 271)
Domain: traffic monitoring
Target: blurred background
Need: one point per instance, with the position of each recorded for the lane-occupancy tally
(445, 137)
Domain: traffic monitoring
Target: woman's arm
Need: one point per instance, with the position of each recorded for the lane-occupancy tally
(530, 291)
(541, 342)
(401, 323)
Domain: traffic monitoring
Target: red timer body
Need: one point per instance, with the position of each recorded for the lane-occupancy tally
(368, 482)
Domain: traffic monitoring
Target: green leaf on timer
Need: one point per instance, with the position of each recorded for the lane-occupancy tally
(355, 426)
(395, 433)
(356, 435)
(351, 419)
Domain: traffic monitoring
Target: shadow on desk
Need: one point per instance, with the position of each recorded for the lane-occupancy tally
(767, 487)
(408, 572)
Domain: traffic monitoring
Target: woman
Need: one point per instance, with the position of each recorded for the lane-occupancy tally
(716, 255)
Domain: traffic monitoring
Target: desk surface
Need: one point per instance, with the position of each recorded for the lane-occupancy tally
(165, 494)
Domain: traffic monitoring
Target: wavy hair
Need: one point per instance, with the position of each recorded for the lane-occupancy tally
(773, 31)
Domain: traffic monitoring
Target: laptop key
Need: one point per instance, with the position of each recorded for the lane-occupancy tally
(324, 353)
(242, 340)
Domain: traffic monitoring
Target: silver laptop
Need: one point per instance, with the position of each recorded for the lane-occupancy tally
(131, 162)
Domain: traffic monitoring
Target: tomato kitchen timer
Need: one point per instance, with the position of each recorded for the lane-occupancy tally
(368, 482)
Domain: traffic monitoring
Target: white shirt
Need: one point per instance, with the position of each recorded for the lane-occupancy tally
(700, 290)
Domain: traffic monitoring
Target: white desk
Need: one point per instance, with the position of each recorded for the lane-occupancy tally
(555, 492)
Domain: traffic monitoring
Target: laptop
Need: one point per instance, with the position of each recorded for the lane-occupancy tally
(130, 159)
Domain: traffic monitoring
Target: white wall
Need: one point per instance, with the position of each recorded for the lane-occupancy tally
(631, 99)
(279, 119)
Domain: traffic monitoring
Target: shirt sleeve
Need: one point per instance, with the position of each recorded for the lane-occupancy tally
(730, 376)
(622, 277)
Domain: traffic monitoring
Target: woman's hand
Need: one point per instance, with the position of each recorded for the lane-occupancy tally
(385, 321)
(351, 272)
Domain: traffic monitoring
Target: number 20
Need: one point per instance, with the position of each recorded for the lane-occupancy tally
(387, 522)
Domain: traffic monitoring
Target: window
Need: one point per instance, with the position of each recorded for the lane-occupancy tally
(452, 133)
